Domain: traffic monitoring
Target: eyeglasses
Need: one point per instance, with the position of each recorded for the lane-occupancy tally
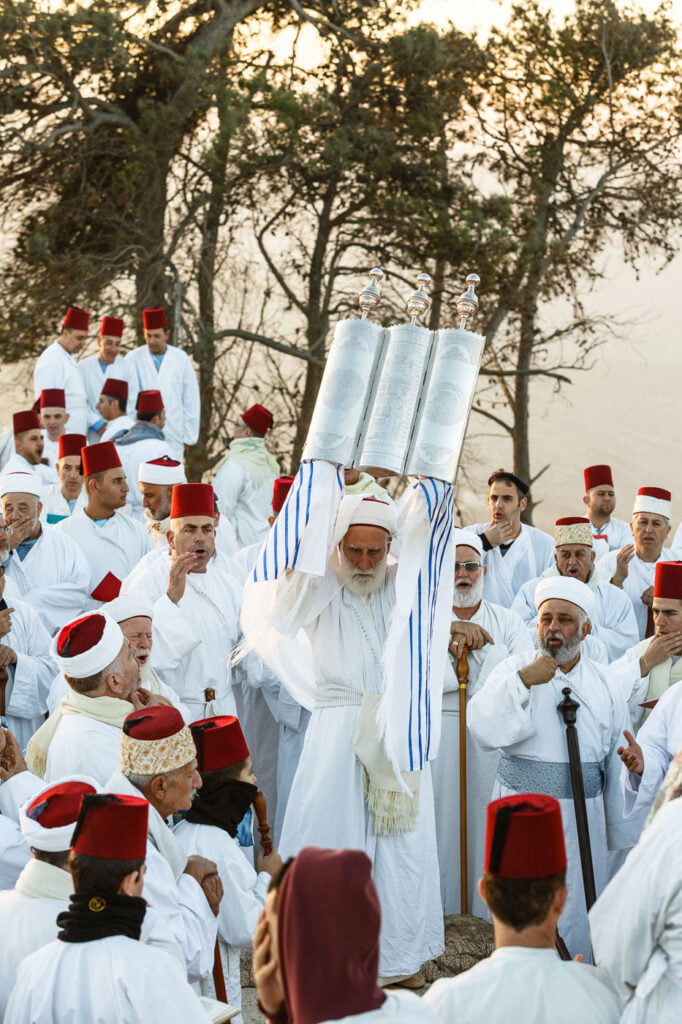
(469, 566)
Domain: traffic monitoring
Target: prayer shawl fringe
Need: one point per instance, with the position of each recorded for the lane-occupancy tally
(108, 710)
(394, 805)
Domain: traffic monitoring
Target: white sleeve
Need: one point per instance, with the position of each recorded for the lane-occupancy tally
(501, 713)
(191, 403)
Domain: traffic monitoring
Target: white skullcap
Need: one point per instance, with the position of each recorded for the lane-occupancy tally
(57, 838)
(164, 471)
(565, 588)
(96, 638)
(468, 538)
(128, 606)
(21, 483)
(373, 511)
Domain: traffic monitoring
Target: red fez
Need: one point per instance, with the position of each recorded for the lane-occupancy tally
(153, 318)
(597, 476)
(59, 805)
(76, 319)
(280, 489)
(220, 742)
(258, 419)
(524, 837)
(156, 722)
(112, 826)
(115, 388)
(192, 500)
(668, 580)
(80, 635)
(23, 421)
(149, 401)
(71, 444)
(112, 326)
(572, 521)
(52, 398)
(99, 457)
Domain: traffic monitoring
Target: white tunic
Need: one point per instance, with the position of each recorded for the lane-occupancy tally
(94, 375)
(636, 924)
(30, 679)
(526, 727)
(53, 578)
(246, 502)
(510, 636)
(397, 1008)
(660, 738)
(517, 984)
(614, 621)
(132, 456)
(118, 981)
(616, 531)
(529, 555)
(194, 639)
(56, 507)
(18, 464)
(177, 382)
(639, 578)
(243, 898)
(57, 368)
(83, 746)
(114, 546)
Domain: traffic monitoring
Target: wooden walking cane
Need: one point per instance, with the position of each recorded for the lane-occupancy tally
(261, 808)
(463, 681)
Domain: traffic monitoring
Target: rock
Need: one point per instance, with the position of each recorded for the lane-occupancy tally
(468, 939)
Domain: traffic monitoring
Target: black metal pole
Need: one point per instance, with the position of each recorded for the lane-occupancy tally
(568, 709)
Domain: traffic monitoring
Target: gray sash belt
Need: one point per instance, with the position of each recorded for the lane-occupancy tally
(553, 778)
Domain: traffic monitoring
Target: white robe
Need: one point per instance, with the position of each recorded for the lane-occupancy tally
(53, 578)
(149, 679)
(93, 377)
(526, 727)
(245, 503)
(83, 746)
(521, 984)
(616, 531)
(116, 980)
(614, 621)
(193, 640)
(114, 427)
(243, 898)
(660, 738)
(57, 368)
(18, 464)
(114, 547)
(636, 924)
(510, 636)
(132, 456)
(56, 507)
(29, 680)
(530, 554)
(397, 1008)
(177, 382)
(50, 450)
(639, 578)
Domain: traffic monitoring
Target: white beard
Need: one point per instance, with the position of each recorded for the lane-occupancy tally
(566, 652)
(468, 597)
(361, 583)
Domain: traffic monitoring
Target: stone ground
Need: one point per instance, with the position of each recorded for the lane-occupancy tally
(467, 940)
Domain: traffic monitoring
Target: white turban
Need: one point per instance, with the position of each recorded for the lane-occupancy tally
(96, 657)
(21, 482)
(565, 588)
(128, 606)
(468, 538)
(50, 840)
(359, 510)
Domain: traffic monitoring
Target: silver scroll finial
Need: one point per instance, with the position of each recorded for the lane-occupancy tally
(419, 301)
(467, 303)
(368, 298)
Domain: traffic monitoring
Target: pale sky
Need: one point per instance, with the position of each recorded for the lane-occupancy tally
(480, 14)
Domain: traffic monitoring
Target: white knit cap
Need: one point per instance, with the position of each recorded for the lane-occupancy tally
(128, 606)
(93, 657)
(654, 500)
(50, 840)
(21, 483)
(565, 588)
(469, 539)
(164, 471)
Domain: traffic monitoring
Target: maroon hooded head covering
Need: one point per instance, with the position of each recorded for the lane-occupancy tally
(327, 902)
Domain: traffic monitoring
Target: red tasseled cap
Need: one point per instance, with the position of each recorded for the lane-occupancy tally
(71, 444)
(192, 500)
(76, 319)
(24, 421)
(80, 635)
(97, 458)
(149, 401)
(572, 521)
(153, 723)
(258, 419)
(280, 489)
(597, 476)
(111, 326)
(59, 805)
(52, 398)
(220, 742)
(115, 388)
(153, 318)
(112, 826)
(524, 837)
(668, 580)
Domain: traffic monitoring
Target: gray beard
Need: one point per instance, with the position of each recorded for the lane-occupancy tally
(566, 652)
(361, 583)
(468, 598)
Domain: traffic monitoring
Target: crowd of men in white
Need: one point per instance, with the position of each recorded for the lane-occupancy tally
(161, 641)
